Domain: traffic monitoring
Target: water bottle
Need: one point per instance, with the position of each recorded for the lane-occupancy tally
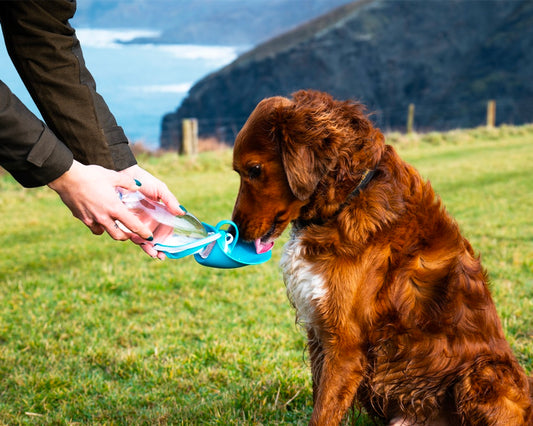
(167, 229)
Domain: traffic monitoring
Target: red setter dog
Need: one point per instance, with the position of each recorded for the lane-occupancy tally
(396, 304)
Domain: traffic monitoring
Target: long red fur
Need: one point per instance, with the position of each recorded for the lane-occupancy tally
(408, 329)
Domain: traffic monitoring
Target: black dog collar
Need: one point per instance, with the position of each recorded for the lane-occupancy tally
(368, 175)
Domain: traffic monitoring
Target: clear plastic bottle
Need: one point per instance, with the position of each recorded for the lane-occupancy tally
(167, 229)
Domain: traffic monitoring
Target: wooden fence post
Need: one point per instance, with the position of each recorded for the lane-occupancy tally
(491, 114)
(190, 136)
(194, 125)
(410, 118)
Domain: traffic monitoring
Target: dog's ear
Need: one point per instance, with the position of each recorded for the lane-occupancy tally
(303, 167)
(304, 145)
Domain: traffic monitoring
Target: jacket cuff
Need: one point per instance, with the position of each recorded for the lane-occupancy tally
(48, 159)
(119, 148)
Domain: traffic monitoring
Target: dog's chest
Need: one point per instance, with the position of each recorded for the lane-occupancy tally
(305, 288)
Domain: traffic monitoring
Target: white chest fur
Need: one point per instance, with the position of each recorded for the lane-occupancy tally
(305, 288)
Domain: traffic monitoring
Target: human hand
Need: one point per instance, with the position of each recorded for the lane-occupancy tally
(90, 194)
(153, 188)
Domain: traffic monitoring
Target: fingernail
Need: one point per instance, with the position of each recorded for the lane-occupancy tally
(150, 238)
(183, 208)
(137, 182)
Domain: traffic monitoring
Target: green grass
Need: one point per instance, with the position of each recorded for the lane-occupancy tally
(94, 332)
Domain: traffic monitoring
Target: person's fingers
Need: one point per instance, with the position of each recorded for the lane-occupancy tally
(132, 222)
(96, 229)
(152, 188)
(160, 192)
(126, 182)
(137, 240)
(172, 203)
(149, 250)
(161, 232)
(114, 231)
(167, 198)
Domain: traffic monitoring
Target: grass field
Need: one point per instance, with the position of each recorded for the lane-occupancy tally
(94, 332)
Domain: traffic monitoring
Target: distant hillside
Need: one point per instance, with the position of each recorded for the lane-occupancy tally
(214, 22)
(446, 57)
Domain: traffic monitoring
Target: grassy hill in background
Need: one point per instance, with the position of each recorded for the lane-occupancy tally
(446, 57)
(93, 331)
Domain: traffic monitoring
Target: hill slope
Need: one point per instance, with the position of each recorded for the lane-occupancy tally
(447, 57)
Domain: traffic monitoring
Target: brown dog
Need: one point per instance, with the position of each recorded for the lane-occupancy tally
(395, 303)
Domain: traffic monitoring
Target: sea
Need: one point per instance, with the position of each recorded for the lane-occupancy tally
(140, 82)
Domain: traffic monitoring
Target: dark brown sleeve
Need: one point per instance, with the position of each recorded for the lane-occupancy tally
(44, 49)
(28, 149)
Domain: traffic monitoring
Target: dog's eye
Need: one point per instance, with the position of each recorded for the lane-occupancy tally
(254, 172)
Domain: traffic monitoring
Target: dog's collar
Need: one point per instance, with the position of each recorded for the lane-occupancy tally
(365, 180)
(363, 183)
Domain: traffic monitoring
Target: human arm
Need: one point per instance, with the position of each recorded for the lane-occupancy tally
(35, 157)
(29, 150)
(48, 57)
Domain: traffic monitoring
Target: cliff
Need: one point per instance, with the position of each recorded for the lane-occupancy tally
(446, 57)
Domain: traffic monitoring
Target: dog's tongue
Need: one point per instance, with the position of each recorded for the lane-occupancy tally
(261, 247)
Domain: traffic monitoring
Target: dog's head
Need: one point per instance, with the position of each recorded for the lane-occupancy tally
(288, 151)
